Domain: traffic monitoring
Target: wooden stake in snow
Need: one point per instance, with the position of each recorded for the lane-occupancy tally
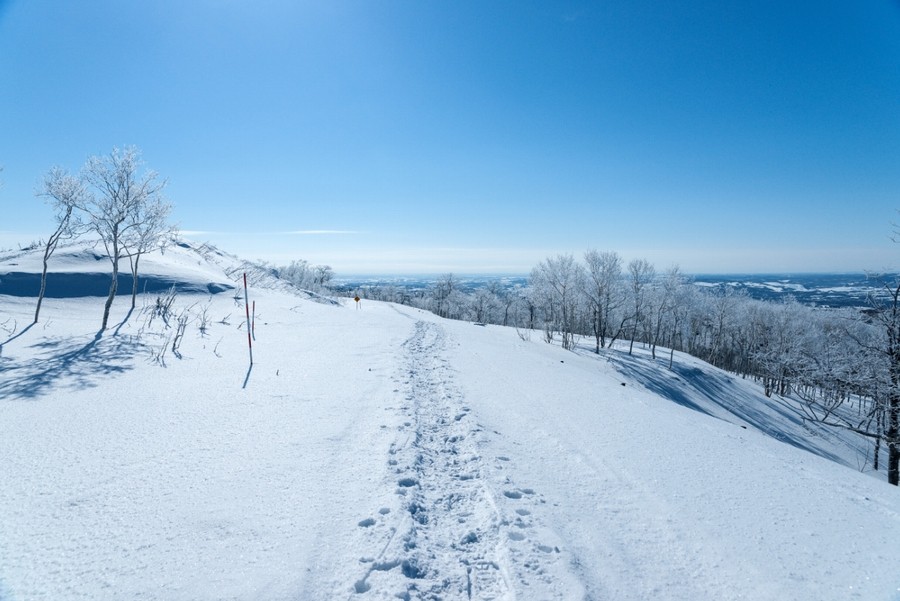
(247, 306)
(253, 325)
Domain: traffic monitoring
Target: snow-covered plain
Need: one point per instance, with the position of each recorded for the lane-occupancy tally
(381, 452)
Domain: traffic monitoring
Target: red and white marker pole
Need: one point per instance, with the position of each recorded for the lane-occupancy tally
(247, 306)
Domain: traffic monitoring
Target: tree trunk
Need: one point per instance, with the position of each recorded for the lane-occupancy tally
(48, 250)
(134, 275)
(113, 287)
(879, 421)
(891, 435)
(40, 299)
(892, 427)
(893, 464)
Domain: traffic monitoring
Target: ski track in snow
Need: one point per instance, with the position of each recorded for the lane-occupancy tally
(457, 535)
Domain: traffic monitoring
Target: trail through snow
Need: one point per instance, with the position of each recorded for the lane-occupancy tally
(460, 528)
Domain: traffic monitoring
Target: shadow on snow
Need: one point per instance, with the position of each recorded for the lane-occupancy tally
(718, 394)
(66, 363)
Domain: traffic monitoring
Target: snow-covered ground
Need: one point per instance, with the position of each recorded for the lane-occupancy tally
(381, 452)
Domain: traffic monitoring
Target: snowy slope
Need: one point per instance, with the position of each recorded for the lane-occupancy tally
(385, 453)
(82, 268)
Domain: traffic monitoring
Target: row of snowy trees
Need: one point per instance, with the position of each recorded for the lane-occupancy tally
(843, 366)
(305, 275)
(115, 200)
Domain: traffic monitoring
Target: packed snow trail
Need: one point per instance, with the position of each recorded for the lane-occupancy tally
(451, 540)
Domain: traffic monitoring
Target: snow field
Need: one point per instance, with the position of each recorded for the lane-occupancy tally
(384, 453)
(659, 501)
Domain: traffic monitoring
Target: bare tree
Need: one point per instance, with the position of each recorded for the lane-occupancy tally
(323, 275)
(443, 294)
(120, 201)
(604, 293)
(682, 298)
(149, 231)
(63, 192)
(886, 313)
(558, 279)
(662, 299)
(303, 275)
(641, 276)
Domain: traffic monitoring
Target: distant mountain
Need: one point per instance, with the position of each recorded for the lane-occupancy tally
(820, 289)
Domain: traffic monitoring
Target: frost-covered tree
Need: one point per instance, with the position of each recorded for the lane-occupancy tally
(660, 301)
(886, 313)
(63, 192)
(682, 297)
(315, 278)
(322, 275)
(558, 281)
(522, 308)
(299, 273)
(446, 297)
(779, 352)
(722, 308)
(502, 301)
(641, 274)
(120, 198)
(604, 295)
(484, 305)
(151, 231)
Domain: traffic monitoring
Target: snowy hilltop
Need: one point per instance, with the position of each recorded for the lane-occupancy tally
(377, 451)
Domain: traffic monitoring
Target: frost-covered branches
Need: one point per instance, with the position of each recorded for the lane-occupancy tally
(63, 192)
(115, 200)
(125, 208)
(641, 275)
(302, 274)
(604, 295)
(557, 282)
(151, 231)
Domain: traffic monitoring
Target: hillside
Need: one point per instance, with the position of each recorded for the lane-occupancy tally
(380, 452)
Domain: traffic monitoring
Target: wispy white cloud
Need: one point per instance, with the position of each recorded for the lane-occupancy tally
(321, 232)
(282, 233)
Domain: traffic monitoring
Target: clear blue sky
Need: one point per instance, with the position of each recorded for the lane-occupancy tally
(475, 136)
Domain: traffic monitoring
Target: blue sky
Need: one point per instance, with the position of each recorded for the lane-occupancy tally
(475, 136)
